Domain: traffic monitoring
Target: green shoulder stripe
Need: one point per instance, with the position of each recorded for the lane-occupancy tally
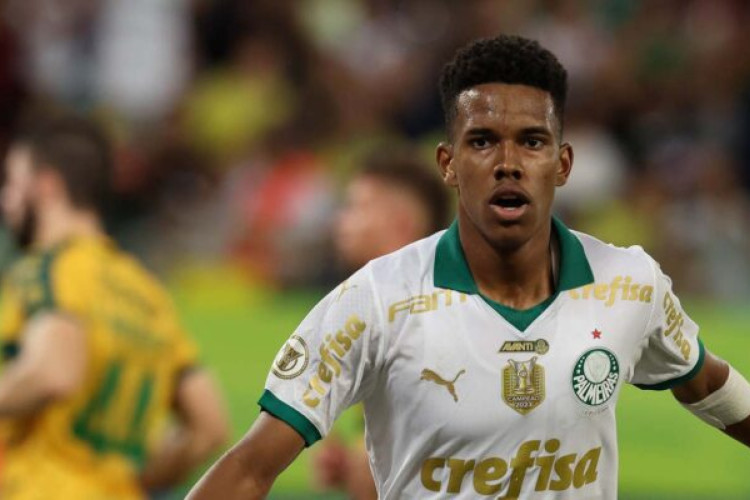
(668, 384)
(39, 292)
(274, 406)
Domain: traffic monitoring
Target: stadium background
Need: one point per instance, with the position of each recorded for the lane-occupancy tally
(237, 122)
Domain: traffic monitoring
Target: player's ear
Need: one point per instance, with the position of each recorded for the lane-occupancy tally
(564, 164)
(444, 156)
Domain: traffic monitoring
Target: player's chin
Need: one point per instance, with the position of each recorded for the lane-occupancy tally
(508, 233)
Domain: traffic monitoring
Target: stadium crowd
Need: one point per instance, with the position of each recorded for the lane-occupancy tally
(237, 122)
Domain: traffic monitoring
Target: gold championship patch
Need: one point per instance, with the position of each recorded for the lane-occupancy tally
(523, 385)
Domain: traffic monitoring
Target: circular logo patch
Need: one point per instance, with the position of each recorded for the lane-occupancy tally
(541, 346)
(292, 359)
(595, 376)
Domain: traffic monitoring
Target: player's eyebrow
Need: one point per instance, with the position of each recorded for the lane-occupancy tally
(536, 130)
(480, 131)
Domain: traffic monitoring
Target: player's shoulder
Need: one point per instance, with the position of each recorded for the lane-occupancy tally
(34, 278)
(607, 260)
(408, 266)
(407, 271)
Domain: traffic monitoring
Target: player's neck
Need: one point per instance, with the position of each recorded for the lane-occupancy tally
(56, 226)
(521, 277)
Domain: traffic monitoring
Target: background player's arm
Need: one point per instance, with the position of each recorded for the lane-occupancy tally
(709, 379)
(202, 430)
(49, 367)
(248, 470)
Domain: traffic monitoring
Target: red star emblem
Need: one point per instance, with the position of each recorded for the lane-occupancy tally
(596, 334)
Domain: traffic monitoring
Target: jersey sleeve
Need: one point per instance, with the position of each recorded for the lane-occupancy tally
(671, 352)
(330, 362)
(35, 284)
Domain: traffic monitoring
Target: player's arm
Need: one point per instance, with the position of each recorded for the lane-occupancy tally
(50, 365)
(248, 470)
(720, 396)
(202, 430)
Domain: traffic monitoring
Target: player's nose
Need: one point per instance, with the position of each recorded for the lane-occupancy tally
(507, 163)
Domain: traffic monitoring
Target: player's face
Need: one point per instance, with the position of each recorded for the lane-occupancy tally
(505, 159)
(377, 218)
(15, 197)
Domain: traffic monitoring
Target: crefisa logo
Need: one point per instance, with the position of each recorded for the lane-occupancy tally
(595, 376)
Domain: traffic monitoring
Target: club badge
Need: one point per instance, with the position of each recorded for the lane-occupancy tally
(595, 376)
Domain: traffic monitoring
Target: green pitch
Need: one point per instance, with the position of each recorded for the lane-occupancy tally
(665, 452)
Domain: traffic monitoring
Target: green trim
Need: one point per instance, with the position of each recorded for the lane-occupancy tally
(668, 384)
(10, 350)
(279, 409)
(575, 270)
(47, 300)
(520, 318)
(452, 271)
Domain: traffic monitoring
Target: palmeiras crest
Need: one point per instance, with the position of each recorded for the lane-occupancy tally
(523, 385)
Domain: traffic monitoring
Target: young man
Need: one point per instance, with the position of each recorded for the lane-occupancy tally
(394, 199)
(95, 359)
(490, 356)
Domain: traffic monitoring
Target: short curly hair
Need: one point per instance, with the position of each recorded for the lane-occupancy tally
(503, 59)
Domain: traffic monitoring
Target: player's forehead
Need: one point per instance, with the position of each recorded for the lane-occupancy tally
(504, 106)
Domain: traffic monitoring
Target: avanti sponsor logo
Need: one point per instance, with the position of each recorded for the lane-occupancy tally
(490, 475)
(540, 346)
(595, 376)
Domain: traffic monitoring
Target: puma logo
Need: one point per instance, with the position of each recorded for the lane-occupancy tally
(431, 376)
(344, 287)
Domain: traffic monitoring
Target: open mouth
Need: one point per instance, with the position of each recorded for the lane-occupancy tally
(509, 204)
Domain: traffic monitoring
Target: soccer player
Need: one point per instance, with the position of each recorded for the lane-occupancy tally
(101, 393)
(394, 199)
(490, 356)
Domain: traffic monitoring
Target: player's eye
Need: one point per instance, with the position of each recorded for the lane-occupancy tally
(533, 143)
(480, 142)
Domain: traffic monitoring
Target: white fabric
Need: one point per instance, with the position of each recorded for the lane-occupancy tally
(423, 441)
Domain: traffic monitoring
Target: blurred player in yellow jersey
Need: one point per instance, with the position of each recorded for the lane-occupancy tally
(101, 394)
(394, 199)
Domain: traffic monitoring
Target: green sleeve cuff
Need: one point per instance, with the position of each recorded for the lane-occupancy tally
(668, 384)
(274, 406)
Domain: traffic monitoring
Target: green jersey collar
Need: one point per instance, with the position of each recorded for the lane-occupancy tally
(452, 271)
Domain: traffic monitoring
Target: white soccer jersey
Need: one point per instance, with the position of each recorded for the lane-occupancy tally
(466, 398)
